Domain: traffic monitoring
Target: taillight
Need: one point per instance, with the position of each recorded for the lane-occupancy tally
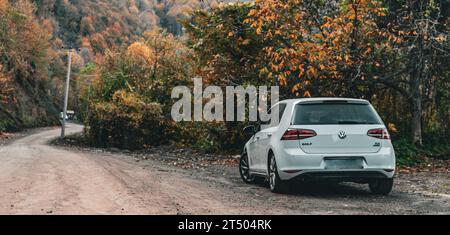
(379, 133)
(298, 134)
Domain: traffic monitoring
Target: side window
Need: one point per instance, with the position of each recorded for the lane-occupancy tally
(280, 108)
(265, 123)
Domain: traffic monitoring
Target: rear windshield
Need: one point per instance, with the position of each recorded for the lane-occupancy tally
(337, 113)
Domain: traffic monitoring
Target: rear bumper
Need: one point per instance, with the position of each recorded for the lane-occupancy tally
(348, 175)
(299, 165)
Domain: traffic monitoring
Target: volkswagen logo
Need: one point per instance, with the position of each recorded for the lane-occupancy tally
(342, 135)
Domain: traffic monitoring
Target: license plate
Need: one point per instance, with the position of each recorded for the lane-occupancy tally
(343, 163)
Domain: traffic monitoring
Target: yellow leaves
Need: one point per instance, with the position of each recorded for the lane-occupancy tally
(3, 5)
(301, 70)
(259, 30)
(440, 38)
(6, 87)
(311, 72)
(246, 42)
(296, 87)
(275, 67)
(347, 59)
(319, 36)
(349, 26)
(336, 41)
(322, 54)
(392, 128)
(282, 79)
(252, 12)
(140, 51)
(230, 34)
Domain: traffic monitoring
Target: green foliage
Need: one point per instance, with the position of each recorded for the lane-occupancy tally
(228, 51)
(125, 122)
(129, 104)
(408, 154)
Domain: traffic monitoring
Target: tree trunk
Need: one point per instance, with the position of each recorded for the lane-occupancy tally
(417, 120)
(416, 94)
(416, 106)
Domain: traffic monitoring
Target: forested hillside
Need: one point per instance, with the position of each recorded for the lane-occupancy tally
(27, 94)
(34, 32)
(101, 24)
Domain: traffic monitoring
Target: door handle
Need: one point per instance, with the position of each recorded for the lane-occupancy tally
(269, 135)
(257, 137)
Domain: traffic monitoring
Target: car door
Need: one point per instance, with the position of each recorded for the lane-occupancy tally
(264, 136)
(252, 152)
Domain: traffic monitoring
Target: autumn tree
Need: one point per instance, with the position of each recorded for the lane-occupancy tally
(147, 67)
(335, 41)
(129, 106)
(229, 52)
(357, 48)
(24, 61)
(424, 52)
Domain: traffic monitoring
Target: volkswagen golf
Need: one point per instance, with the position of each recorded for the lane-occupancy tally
(336, 139)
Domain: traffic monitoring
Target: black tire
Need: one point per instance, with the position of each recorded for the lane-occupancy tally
(244, 169)
(381, 186)
(276, 184)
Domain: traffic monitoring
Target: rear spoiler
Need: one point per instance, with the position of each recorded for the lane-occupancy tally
(333, 101)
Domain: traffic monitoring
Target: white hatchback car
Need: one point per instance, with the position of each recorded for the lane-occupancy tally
(321, 138)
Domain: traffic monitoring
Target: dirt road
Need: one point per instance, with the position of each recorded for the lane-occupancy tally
(36, 178)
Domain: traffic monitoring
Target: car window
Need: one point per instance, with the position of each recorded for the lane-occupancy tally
(272, 122)
(265, 123)
(329, 114)
(281, 108)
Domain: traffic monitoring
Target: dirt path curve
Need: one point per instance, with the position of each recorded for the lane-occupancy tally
(36, 178)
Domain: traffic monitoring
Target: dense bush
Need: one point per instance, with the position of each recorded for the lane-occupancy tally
(126, 122)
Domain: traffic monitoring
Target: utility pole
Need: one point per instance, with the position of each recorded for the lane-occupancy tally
(66, 95)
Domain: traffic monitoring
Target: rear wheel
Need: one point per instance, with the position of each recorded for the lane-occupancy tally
(276, 184)
(244, 169)
(381, 186)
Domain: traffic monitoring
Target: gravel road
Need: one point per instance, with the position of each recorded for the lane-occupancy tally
(37, 178)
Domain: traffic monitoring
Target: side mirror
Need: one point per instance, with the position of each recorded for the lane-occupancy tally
(250, 130)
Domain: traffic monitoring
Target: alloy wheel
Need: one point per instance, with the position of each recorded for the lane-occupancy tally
(244, 169)
(272, 173)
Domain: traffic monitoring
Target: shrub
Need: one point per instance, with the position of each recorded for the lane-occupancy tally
(125, 122)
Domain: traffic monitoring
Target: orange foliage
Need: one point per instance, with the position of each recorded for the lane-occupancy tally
(140, 52)
(330, 48)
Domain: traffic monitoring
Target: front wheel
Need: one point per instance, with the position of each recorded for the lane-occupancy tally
(244, 169)
(276, 184)
(381, 186)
